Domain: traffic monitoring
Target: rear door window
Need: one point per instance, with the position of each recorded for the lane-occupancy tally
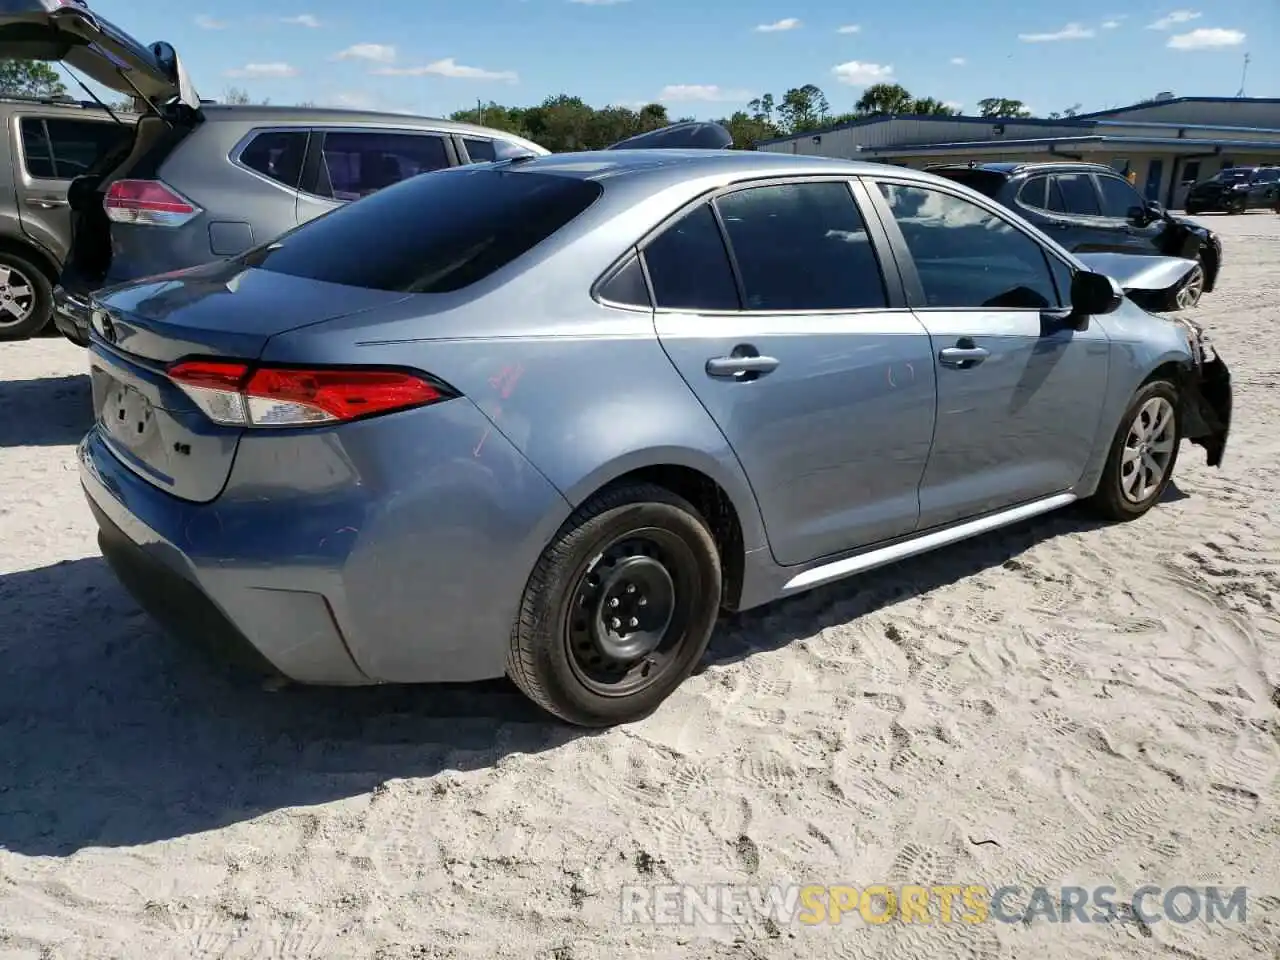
(480, 151)
(354, 165)
(431, 234)
(1034, 193)
(1078, 195)
(689, 266)
(802, 246)
(277, 154)
(59, 148)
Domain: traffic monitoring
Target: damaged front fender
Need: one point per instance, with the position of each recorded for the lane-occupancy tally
(1205, 390)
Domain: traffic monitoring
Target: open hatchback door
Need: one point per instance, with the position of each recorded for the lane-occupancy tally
(67, 31)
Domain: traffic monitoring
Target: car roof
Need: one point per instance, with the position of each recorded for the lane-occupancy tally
(265, 113)
(678, 165)
(1013, 169)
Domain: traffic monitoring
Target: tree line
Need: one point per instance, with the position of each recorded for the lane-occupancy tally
(563, 122)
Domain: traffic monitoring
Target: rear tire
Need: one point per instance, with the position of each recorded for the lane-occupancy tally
(26, 298)
(1143, 453)
(619, 609)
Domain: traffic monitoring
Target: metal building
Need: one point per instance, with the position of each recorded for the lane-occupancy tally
(1168, 142)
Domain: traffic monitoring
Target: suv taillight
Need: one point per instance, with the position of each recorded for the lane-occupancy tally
(238, 395)
(149, 203)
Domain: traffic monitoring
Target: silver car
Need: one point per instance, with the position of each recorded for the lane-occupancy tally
(198, 181)
(563, 410)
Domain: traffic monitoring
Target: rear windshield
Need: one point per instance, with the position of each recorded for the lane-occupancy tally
(984, 181)
(432, 233)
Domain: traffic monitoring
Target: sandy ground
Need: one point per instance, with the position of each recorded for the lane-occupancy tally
(1059, 703)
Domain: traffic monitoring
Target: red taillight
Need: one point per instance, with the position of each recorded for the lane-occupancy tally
(234, 394)
(147, 202)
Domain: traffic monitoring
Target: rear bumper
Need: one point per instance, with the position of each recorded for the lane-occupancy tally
(400, 558)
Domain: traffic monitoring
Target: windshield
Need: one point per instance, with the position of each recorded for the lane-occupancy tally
(432, 233)
(1232, 175)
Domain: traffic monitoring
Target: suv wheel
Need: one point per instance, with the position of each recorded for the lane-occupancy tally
(619, 609)
(26, 298)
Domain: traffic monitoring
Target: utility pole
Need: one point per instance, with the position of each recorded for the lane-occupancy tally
(1244, 72)
(479, 112)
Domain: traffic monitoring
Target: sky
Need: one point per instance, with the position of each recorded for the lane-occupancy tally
(708, 59)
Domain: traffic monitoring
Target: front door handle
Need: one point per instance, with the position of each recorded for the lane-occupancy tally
(46, 203)
(745, 363)
(962, 358)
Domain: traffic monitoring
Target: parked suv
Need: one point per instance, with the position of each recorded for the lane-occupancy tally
(1235, 190)
(46, 144)
(1090, 208)
(199, 181)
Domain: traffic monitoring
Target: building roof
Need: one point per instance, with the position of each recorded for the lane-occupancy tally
(1081, 120)
(958, 146)
(1160, 103)
(931, 117)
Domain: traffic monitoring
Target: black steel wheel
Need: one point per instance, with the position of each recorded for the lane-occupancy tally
(619, 609)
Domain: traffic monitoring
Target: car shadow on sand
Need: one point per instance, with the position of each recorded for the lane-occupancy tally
(48, 412)
(115, 734)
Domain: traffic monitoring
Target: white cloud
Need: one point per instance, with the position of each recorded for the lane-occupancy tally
(858, 74)
(353, 100)
(206, 22)
(1110, 24)
(850, 28)
(788, 23)
(1206, 38)
(1173, 19)
(264, 71)
(377, 52)
(302, 20)
(955, 105)
(1072, 31)
(706, 92)
(448, 67)
(958, 61)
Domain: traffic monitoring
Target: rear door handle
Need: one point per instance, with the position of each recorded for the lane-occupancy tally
(962, 357)
(46, 203)
(741, 366)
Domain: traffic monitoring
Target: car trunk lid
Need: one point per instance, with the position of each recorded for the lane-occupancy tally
(67, 31)
(221, 310)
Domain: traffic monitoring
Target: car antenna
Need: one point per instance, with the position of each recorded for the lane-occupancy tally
(85, 87)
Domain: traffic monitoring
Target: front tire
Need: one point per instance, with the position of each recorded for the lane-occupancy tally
(26, 298)
(1143, 454)
(619, 609)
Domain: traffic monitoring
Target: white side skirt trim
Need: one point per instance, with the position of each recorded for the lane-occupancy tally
(839, 569)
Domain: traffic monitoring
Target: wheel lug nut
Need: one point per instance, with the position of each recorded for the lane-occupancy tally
(643, 601)
(615, 623)
(634, 622)
(631, 588)
(614, 603)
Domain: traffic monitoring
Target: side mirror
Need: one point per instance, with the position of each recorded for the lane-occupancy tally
(1094, 294)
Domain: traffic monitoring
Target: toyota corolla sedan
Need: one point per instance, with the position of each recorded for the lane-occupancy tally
(559, 412)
